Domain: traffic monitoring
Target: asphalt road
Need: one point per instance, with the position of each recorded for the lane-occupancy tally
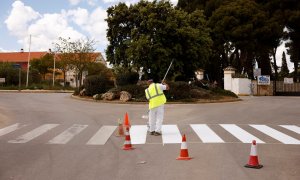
(75, 160)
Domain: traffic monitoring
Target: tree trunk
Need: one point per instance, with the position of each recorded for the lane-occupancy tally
(275, 63)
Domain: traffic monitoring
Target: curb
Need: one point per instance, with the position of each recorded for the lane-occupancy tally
(132, 102)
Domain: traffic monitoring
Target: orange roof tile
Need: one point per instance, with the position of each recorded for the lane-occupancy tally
(19, 56)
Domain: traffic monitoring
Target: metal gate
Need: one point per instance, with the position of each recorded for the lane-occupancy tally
(283, 89)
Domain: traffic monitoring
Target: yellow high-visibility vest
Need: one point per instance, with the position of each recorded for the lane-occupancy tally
(155, 96)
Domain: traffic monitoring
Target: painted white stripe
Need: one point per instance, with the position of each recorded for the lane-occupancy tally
(276, 134)
(293, 128)
(10, 129)
(206, 134)
(170, 134)
(240, 133)
(138, 134)
(34, 133)
(68, 134)
(102, 135)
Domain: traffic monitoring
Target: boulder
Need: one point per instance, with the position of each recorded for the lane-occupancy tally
(109, 96)
(125, 96)
(96, 97)
(82, 92)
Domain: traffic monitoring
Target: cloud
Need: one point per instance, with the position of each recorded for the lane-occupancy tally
(174, 2)
(94, 23)
(74, 2)
(19, 18)
(44, 28)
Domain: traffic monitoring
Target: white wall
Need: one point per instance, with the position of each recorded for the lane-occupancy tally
(241, 86)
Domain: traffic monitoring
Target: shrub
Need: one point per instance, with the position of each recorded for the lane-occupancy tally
(137, 92)
(201, 84)
(200, 93)
(127, 78)
(178, 90)
(97, 84)
(223, 92)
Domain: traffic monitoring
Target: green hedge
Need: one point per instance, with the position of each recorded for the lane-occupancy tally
(97, 84)
(178, 90)
(127, 78)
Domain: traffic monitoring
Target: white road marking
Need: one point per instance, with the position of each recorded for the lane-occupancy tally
(206, 134)
(171, 134)
(10, 129)
(293, 128)
(102, 135)
(276, 134)
(240, 133)
(34, 133)
(68, 134)
(138, 134)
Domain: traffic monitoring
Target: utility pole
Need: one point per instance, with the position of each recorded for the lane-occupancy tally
(53, 68)
(28, 61)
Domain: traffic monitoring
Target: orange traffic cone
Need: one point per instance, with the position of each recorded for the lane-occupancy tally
(126, 121)
(127, 143)
(184, 154)
(253, 159)
(121, 129)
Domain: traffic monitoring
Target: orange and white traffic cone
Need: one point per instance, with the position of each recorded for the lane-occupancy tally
(253, 159)
(127, 143)
(184, 154)
(126, 121)
(120, 129)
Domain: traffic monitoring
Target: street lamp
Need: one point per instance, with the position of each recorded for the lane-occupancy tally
(28, 61)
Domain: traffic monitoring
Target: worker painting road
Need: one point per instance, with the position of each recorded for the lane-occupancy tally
(52, 136)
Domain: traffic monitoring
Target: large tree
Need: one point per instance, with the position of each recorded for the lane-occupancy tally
(152, 34)
(292, 16)
(43, 65)
(237, 28)
(284, 72)
(76, 55)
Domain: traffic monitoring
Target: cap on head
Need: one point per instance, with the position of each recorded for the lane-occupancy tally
(150, 80)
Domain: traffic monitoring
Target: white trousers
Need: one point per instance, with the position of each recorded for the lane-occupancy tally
(156, 118)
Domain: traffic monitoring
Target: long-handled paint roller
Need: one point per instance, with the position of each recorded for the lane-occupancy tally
(168, 70)
(146, 116)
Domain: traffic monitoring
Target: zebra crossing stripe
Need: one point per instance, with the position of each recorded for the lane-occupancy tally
(68, 134)
(10, 129)
(240, 133)
(138, 134)
(170, 134)
(206, 134)
(285, 139)
(102, 135)
(293, 128)
(33, 134)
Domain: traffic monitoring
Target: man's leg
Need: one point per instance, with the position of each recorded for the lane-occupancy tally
(152, 119)
(159, 118)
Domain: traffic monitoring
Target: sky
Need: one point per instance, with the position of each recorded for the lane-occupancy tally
(47, 20)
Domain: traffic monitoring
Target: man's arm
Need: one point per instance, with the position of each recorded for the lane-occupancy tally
(167, 86)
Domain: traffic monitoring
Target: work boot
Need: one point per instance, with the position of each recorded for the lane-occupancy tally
(157, 134)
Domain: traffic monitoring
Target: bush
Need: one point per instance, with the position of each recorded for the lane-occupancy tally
(200, 93)
(178, 90)
(201, 84)
(127, 78)
(137, 91)
(97, 84)
(223, 92)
